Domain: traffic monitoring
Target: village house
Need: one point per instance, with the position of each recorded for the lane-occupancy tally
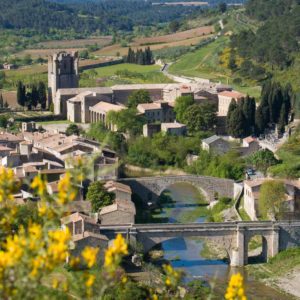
(120, 190)
(157, 112)
(225, 99)
(174, 128)
(120, 212)
(85, 231)
(216, 145)
(150, 129)
(251, 196)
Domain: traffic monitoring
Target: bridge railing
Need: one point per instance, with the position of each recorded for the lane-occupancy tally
(224, 225)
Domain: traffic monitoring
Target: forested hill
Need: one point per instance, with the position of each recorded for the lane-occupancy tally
(277, 39)
(86, 16)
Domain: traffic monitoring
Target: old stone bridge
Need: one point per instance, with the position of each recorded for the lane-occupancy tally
(232, 236)
(150, 188)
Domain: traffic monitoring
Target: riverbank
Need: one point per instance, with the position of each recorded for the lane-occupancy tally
(281, 272)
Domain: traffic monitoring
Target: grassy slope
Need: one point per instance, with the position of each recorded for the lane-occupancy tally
(278, 265)
(204, 63)
(142, 74)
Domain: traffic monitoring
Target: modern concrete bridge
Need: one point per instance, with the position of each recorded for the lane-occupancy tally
(150, 188)
(232, 236)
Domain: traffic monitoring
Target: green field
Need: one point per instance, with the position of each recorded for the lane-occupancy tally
(204, 63)
(122, 74)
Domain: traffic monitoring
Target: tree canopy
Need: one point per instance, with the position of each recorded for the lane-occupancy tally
(138, 97)
(181, 105)
(271, 199)
(99, 196)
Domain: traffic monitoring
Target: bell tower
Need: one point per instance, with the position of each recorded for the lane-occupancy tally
(62, 72)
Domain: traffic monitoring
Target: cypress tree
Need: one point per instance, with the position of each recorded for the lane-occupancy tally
(34, 96)
(42, 96)
(237, 123)
(21, 93)
(1, 101)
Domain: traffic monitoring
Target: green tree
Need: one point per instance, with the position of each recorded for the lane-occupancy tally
(200, 117)
(21, 93)
(34, 96)
(249, 108)
(262, 160)
(138, 97)
(127, 121)
(1, 101)
(174, 26)
(99, 196)
(271, 199)
(42, 95)
(72, 129)
(181, 105)
(222, 7)
(3, 121)
(236, 124)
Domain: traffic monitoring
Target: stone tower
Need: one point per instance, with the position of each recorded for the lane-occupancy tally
(62, 72)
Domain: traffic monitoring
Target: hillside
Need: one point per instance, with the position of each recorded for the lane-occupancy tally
(85, 17)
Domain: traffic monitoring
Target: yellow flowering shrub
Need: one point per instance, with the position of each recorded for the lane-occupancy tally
(32, 255)
(235, 289)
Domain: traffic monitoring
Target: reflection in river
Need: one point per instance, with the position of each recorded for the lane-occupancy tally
(185, 204)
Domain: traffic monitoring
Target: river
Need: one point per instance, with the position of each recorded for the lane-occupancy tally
(185, 253)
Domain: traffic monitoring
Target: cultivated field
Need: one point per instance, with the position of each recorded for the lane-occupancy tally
(79, 43)
(183, 38)
(45, 48)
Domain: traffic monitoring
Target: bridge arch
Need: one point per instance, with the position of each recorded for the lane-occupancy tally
(191, 184)
(149, 188)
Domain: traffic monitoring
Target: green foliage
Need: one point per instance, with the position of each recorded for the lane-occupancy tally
(73, 129)
(161, 150)
(289, 154)
(174, 26)
(98, 196)
(114, 140)
(215, 213)
(140, 57)
(276, 39)
(3, 121)
(229, 165)
(138, 97)
(181, 105)
(262, 160)
(271, 199)
(127, 121)
(236, 123)
(200, 117)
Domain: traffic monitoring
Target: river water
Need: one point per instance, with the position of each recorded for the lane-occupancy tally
(185, 254)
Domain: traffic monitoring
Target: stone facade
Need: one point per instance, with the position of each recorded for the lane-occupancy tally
(62, 72)
(225, 98)
(216, 145)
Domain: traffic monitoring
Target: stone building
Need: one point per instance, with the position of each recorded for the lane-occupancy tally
(62, 72)
(78, 107)
(157, 112)
(216, 145)
(174, 128)
(251, 196)
(63, 95)
(85, 232)
(150, 129)
(121, 212)
(225, 98)
(121, 191)
(98, 113)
